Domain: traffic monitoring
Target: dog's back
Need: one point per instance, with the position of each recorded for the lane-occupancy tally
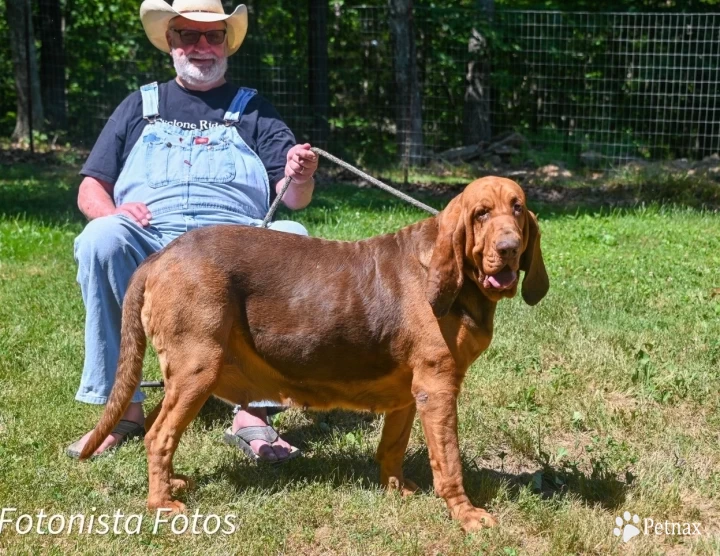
(290, 310)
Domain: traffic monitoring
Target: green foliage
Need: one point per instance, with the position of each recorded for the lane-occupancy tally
(611, 5)
(108, 56)
(601, 106)
(575, 75)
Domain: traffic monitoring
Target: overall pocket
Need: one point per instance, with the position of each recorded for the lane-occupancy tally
(166, 161)
(213, 160)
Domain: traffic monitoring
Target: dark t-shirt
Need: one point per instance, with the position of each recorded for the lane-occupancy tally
(260, 127)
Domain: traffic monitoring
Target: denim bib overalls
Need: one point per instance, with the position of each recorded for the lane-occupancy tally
(188, 179)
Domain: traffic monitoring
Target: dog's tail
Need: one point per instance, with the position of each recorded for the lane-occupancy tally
(129, 370)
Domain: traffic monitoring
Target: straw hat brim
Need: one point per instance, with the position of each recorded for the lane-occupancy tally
(156, 14)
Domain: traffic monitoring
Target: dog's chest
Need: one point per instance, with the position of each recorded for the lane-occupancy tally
(473, 332)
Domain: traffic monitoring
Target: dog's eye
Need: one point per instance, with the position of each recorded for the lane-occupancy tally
(482, 214)
(517, 208)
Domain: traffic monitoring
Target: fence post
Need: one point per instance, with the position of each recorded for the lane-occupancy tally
(29, 74)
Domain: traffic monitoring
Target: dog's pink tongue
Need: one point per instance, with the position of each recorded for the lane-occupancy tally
(503, 279)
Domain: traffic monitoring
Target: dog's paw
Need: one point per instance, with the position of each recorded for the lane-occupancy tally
(181, 482)
(405, 487)
(175, 506)
(476, 519)
(408, 488)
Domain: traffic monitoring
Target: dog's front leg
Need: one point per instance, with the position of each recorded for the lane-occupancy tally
(391, 452)
(438, 413)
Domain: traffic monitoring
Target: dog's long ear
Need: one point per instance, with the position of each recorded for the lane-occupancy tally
(535, 283)
(445, 274)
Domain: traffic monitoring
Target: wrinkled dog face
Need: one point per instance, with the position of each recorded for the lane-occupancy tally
(488, 235)
(496, 215)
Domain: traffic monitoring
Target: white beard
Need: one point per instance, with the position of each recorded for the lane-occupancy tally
(194, 75)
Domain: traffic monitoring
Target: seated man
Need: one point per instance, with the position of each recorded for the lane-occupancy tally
(195, 151)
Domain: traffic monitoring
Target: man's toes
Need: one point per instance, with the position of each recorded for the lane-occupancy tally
(109, 442)
(281, 452)
(264, 451)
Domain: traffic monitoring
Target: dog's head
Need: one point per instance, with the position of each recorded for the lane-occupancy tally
(488, 235)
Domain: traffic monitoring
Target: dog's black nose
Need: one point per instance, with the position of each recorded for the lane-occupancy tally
(507, 247)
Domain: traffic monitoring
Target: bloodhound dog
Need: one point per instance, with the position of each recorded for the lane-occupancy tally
(388, 324)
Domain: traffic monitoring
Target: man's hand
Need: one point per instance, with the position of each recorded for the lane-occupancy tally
(301, 163)
(137, 212)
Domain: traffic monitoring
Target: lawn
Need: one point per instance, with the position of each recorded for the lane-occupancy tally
(602, 399)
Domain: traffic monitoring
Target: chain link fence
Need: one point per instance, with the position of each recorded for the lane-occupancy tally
(591, 86)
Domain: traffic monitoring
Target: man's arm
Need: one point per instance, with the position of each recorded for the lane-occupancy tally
(95, 198)
(95, 201)
(298, 195)
(300, 167)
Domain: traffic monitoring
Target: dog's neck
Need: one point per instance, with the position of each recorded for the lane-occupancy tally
(470, 301)
(424, 234)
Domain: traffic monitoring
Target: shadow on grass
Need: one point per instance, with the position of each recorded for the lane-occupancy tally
(617, 190)
(340, 467)
(45, 193)
(553, 482)
(548, 202)
(558, 200)
(48, 191)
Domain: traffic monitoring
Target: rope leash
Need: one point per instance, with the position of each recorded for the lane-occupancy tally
(356, 171)
(276, 203)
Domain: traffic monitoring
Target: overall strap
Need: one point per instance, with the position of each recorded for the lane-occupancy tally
(150, 97)
(237, 106)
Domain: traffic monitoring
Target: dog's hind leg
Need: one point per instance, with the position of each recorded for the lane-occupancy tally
(393, 443)
(190, 378)
(150, 419)
(177, 482)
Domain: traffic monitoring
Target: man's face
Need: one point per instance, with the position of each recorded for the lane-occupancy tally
(200, 63)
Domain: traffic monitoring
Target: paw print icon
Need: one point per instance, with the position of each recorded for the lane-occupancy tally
(627, 526)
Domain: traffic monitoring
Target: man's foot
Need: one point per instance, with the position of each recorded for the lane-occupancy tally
(133, 414)
(273, 451)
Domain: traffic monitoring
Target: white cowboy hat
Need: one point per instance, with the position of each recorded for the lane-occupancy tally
(156, 14)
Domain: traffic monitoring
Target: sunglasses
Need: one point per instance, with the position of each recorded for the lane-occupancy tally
(188, 36)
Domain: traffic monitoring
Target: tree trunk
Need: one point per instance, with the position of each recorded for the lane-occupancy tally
(27, 83)
(318, 86)
(407, 84)
(477, 91)
(52, 64)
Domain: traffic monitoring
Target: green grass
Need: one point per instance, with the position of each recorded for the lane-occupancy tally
(603, 398)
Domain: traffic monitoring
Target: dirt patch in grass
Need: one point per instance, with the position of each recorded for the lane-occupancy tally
(45, 155)
(617, 401)
(689, 183)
